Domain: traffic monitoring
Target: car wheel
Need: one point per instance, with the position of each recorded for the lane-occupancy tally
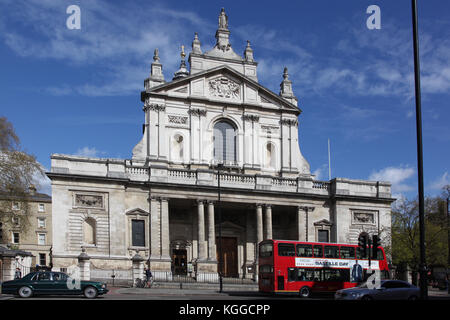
(367, 298)
(25, 292)
(413, 298)
(90, 292)
(305, 292)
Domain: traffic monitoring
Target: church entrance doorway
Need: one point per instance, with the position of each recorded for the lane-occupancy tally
(179, 257)
(229, 259)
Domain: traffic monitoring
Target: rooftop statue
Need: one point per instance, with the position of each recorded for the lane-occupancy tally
(223, 20)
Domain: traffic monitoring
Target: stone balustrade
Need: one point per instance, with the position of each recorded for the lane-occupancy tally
(124, 169)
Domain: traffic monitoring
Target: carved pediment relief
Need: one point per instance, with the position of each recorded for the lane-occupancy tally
(223, 87)
(363, 217)
(88, 200)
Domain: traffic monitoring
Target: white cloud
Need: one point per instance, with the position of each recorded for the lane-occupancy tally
(42, 183)
(321, 173)
(397, 176)
(440, 182)
(121, 40)
(88, 152)
(118, 41)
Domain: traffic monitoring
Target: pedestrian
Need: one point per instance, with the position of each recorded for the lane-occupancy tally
(17, 274)
(148, 276)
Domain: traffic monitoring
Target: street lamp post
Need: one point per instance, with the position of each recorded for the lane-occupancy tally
(422, 265)
(219, 212)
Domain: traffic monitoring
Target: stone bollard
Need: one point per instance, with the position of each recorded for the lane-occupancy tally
(85, 265)
(138, 268)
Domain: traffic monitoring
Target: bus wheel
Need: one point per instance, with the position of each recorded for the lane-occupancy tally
(305, 292)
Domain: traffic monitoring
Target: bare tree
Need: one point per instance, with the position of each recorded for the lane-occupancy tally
(18, 171)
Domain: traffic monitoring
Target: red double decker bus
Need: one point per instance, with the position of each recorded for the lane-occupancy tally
(310, 267)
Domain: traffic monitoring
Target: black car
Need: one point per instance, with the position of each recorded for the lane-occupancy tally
(52, 283)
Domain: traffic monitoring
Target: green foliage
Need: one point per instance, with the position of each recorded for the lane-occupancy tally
(406, 234)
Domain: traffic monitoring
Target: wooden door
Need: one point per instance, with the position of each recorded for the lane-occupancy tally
(229, 259)
(179, 258)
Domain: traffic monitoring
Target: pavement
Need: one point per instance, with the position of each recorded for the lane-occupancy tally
(436, 293)
(208, 292)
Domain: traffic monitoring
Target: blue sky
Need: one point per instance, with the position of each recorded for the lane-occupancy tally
(78, 91)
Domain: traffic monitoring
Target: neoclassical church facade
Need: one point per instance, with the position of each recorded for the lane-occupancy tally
(211, 131)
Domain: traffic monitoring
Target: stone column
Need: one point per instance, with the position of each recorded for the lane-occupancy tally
(259, 224)
(160, 261)
(138, 268)
(250, 246)
(300, 224)
(165, 235)
(268, 222)
(285, 129)
(211, 233)
(162, 136)
(259, 236)
(155, 236)
(201, 231)
(305, 225)
(85, 266)
(206, 268)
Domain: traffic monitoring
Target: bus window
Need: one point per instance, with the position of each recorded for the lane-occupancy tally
(292, 274)
(336, 275)
(301, 274)
(318, 251)
(286, 249)
(304, 250)
(309, 274)
(265, 250)
(331, 252)
(347, 252)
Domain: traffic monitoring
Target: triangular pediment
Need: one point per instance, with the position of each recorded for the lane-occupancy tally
(225, 84)
(136, 211)
(323, 222)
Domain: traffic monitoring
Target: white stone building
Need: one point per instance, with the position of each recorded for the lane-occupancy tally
(163, 202)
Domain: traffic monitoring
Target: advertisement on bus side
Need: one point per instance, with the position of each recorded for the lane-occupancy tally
(335, 263)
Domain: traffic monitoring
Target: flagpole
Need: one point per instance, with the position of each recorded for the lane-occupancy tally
(329, 161)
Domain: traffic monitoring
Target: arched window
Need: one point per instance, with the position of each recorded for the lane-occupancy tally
(89, 227)
(177, 148)
(224, 142)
